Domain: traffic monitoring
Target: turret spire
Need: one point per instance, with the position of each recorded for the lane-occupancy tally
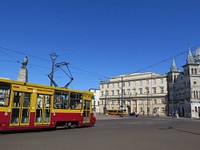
(190, 58)
(173, 66)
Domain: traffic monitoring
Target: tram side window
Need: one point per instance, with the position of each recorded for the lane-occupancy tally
(16, 101)
(47, 101)
(75, 101)
(26, 100)
(4, 94)
(61, 100)
(40, 101)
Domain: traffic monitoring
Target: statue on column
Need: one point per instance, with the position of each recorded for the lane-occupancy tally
(25, 62)
(23, 72)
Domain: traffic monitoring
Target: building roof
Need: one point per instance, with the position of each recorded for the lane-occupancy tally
(196, 55)
(190, 59)
(173, 66)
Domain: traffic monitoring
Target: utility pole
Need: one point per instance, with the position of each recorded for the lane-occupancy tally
(148, 103)
(105, 107)
(53, 58)
(122, 105)
(172, 100)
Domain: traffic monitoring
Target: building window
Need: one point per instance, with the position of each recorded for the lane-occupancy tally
(147, 90)
(113, 102)
(112, 93)
(128, 92)
(134, 91)
(128, 102)
(106, 93)
(140, 83)
(101, 93)
(154, 90)
(162, 90)
(163, 109)
(147, 82)
(163, 101)
(161, 81)
(141, 109)
(118, 84)
(113, 85)
(107, 85)
(140, 90)
(123, 92)
(118, 101)
(155, 101)
(117, 92)
(195, 70)
(154, 81)
(134, 83)
(195, 109)
(129, 84)
(141, 101)
(134, 102)
(102, 86)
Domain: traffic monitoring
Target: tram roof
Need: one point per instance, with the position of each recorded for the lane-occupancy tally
(40, 85)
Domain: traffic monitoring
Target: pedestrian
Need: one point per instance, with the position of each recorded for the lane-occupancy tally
(137, 115)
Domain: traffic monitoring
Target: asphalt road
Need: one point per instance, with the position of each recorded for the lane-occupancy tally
(117, 134)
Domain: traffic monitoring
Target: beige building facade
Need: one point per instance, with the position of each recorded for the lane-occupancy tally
(143, 93)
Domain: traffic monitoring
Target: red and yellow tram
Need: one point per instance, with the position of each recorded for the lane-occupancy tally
(32, 106)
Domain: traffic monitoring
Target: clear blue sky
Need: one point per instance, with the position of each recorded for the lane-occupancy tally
(99, 38)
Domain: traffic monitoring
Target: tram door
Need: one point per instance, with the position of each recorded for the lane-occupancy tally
(20, 111)
(86, 111)
(42, 113)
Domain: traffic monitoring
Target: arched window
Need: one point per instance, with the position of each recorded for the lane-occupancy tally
(192, 71)
(195, 70)
(195, 109)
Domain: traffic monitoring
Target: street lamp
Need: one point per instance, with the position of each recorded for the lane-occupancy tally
(105, 102)
(172, 100)
(122, 105)
(147, 103)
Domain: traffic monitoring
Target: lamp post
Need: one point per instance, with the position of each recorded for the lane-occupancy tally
(122, 105)
(136, 102)
(147, 103)
(105, 102)
(172, 99)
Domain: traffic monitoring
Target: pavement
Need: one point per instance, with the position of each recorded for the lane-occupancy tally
(111, 117)
(108, 117)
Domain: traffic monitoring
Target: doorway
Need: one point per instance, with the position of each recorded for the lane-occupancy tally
(42, 113)
(86, 111)
(20, 111)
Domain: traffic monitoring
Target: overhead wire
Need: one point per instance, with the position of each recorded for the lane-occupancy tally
(83, 70)
(21, 53)
(160, 62)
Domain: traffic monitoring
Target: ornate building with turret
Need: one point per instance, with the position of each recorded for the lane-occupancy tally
(184, 87)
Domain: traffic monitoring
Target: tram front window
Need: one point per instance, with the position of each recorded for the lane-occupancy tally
(4, 94)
